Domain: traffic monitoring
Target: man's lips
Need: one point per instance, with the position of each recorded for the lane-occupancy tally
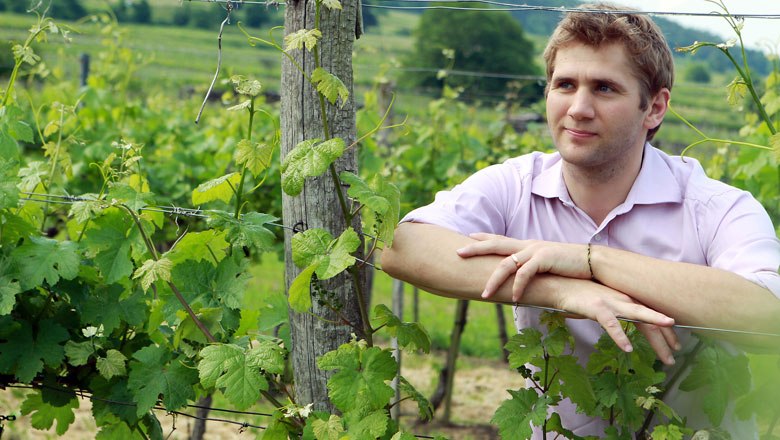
(579, 133)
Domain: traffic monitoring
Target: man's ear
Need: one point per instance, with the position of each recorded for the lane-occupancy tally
(657, 108)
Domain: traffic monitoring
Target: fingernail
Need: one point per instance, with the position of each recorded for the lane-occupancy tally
(677, 346)
(670, 360)
(628, 348)
(484, 294)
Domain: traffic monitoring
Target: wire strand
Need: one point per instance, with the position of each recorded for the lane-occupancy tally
(505, 6)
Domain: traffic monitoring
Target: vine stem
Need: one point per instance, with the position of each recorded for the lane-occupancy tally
(353, 270)
(19, 62)
(174, 289)
(240, 190)
(55, 158)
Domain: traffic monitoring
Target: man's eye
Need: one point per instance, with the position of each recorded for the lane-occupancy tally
(565, 85)
(604, 88)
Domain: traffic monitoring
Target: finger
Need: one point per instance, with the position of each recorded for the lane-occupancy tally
(504, 270)
(638, 312)
(614, 329)
(671, 338)
(482, 236)
(494, 246)
(523, 276)
(657, 339)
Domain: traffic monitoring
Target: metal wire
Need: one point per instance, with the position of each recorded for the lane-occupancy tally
(506, 6)
(636, 321)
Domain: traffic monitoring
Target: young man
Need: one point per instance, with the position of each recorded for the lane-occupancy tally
(607, 226)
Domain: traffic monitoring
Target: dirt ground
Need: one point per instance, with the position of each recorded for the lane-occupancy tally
(480, 387)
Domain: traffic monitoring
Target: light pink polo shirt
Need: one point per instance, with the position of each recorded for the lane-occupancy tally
(673, 211)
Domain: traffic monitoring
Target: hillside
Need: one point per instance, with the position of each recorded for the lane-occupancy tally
(183, 59)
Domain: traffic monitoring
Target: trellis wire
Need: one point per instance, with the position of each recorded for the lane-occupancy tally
(87, 395)
(175, 211)
(505, 6)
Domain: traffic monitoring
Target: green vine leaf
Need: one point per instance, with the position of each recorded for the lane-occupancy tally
(112, 365)
(667, 432)
(9, 191)
(110, 306)
(307, 38)
(188, 330)
(575, 382)
(85, 210)
(45, 413)
(724, 377)
(129, 196)
(737, 89)
(107, 242)
(309, 158)
(78, 353)
(330, 86)
(153, 371)
(249, 230)
(300, 290)
(360, 382)
(383, 200)
(152, 271)
(411, 335)
(32, 175)
(331, 257)
(366, 426)
(246, 86)
(209, 245)
(238, 371)
(9, 288)
(222, 188)
(253, 155)
(40, 259)
(27, 349)
(330, 429)
(515, 416)
(25, 54)
(424, 407)
(525, 347)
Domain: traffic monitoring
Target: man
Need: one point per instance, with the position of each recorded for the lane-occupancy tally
(607, 226)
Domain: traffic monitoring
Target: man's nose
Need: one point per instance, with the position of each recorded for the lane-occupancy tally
(581, 106)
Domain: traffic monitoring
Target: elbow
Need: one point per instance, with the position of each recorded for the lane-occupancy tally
(390, 262)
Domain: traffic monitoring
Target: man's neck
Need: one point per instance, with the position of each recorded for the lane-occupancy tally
(599, 191)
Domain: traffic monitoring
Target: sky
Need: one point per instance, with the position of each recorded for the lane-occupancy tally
(757, 34)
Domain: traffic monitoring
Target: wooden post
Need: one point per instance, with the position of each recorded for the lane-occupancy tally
(322, 330)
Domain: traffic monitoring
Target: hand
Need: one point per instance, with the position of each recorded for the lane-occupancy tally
(605, 306)
(599, 303)
(526, 258)
(663, 340)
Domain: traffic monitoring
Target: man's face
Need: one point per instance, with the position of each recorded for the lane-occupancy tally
(593, 108)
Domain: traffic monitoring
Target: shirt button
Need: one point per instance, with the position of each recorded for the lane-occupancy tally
(597, 237)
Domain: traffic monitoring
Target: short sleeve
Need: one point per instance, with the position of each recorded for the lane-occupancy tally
(479, 204)
(744, 240)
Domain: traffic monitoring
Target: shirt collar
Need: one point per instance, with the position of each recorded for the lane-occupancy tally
(655, 183)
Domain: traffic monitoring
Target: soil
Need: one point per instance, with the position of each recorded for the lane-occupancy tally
(480, 387)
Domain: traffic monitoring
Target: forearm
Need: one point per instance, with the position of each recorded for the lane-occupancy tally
(692, 294)
(425, 256)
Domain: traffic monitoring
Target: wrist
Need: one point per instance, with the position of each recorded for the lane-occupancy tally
(589, 257)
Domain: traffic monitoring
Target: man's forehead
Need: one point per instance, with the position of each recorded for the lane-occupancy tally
(607, 61)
